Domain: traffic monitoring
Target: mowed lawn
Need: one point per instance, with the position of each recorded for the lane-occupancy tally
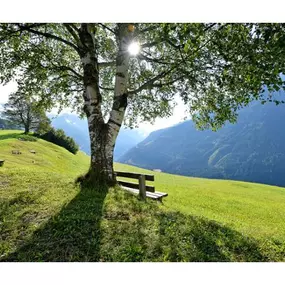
(44, 216)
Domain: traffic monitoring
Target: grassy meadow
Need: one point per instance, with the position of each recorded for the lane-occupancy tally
(44, 216)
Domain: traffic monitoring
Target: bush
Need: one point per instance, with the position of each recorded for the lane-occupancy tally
(58, 137)
(27, 138)
(43, 127)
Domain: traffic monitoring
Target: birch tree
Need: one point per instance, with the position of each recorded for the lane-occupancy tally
(215, 68)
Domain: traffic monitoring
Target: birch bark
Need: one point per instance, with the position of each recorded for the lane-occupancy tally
(103, 135)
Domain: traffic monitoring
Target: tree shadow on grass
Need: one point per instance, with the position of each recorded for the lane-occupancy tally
(72, 235)
(10, 136)
(155, 235)
(127, 230)
(195, 239)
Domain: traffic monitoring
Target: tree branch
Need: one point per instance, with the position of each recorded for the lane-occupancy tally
(210, 27)
(141, 56)
(150, 82)
(47, 35)
(79, 76)
(147, 30)
(159, 85)
(151, 44)
(172, 44)
(209, 40)
(105, 27)
(12, 33)
(106, 64)
(74, 27)
(105, 88)
(74, 34)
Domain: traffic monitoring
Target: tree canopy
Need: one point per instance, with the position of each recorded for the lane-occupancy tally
(22, 111)
(216, 68)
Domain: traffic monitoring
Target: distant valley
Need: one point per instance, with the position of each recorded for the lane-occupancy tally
(252, 150)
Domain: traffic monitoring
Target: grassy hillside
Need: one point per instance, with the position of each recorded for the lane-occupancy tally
(253, 209)
(45, 217)
(49, 157)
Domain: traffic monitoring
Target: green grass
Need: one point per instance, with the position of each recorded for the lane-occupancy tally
(44, 216)
(253, 209)
(48, 157)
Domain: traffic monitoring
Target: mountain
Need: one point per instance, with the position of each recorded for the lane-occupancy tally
(77, 128)
(252, 150)
(5, 124)
(127, 139)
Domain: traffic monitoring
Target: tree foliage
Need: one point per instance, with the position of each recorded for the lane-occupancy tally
(23, 111)
(215, 68)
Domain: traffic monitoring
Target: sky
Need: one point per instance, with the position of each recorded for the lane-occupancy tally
(6, 90)
(178, 116)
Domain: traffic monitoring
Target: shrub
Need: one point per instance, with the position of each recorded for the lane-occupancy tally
(43, 127)
(58, 137)
(27, 138)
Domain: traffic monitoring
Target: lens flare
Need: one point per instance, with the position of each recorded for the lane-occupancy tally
(134, 48)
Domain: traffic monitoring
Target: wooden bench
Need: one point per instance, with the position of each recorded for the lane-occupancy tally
(2, 162)
(140, 188)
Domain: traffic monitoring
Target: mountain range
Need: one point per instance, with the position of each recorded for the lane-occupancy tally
(252, 149)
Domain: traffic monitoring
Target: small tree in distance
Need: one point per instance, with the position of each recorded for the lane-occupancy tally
(22, 111)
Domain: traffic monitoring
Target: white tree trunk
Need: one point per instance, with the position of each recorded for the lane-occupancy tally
(120, 102)
(103, 135)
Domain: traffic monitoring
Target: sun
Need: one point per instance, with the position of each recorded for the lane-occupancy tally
(134, 48)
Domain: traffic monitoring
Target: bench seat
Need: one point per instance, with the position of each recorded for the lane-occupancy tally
(154, 196)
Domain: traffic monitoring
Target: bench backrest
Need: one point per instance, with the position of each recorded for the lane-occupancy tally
(147, 177)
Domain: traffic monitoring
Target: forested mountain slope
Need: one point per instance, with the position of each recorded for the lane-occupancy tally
(253, 149)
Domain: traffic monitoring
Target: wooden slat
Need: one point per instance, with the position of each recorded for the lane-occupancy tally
(155, 196)
(148, 177)
(136, 186)
(129, 184)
